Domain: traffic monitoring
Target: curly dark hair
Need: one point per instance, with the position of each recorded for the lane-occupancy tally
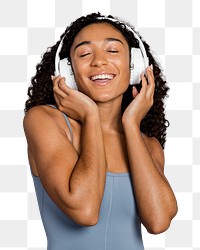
(40, 91)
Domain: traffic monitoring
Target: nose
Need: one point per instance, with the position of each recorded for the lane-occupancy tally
(99, 59)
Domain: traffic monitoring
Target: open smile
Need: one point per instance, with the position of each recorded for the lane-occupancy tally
(102, 79)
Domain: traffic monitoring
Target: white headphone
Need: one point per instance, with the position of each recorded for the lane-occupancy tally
(139, 60)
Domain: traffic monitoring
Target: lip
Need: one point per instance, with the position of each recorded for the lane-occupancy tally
(101, 82)
(101, 73)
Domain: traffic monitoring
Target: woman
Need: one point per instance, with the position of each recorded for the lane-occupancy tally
(96, 153)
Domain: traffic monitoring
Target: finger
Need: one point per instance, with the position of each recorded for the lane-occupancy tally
(134, 92)
(150, 75)
(58, 80)
(63, 86)
(61, 83)
(56, 86)
(144, 83)
(57, 99)
(151, 81)
(149, 71)
(55, 79)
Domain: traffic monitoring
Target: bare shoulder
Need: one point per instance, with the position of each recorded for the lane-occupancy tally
(156, 152)
(44, 118)
(41, 112)
(36, 113)
(152, 143)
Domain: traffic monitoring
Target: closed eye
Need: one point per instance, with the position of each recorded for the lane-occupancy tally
(113, 51)
(86, 54)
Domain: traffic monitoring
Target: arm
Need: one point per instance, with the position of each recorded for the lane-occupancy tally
(75, 183)
(154, 196)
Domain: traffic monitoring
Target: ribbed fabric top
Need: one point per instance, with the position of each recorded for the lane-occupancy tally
(118, 228)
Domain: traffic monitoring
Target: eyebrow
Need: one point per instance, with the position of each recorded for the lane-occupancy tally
(109, 39)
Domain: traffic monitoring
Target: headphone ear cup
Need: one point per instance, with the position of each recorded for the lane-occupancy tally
(137, 66)
(66, 71)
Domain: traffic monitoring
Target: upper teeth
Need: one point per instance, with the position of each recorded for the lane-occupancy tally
(103, 76)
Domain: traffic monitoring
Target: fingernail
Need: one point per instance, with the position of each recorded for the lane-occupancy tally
(151, 66)
(52, 77)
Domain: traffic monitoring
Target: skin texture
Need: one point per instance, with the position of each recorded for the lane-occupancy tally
(73, 172)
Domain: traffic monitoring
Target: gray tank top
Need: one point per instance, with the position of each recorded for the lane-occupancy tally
(118, 228)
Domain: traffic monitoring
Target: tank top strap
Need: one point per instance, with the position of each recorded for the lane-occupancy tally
(66, 119)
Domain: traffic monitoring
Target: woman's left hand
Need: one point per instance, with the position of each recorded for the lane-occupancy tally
(142, 101)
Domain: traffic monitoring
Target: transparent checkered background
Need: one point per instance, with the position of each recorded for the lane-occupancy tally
(172, 28)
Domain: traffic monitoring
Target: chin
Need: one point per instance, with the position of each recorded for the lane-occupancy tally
(103, 99)
(106, 97)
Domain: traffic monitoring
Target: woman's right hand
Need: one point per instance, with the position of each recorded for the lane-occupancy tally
(72, 102)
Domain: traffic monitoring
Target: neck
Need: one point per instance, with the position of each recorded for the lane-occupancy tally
(110, 116)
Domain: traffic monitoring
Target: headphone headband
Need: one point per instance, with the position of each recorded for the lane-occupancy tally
(57, 57)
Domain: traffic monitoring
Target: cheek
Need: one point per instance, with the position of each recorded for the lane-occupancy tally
(78, 70)
(125, 70)
(80, 75)
(122, 63)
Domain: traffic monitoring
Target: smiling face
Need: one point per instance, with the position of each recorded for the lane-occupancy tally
(101, 62)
